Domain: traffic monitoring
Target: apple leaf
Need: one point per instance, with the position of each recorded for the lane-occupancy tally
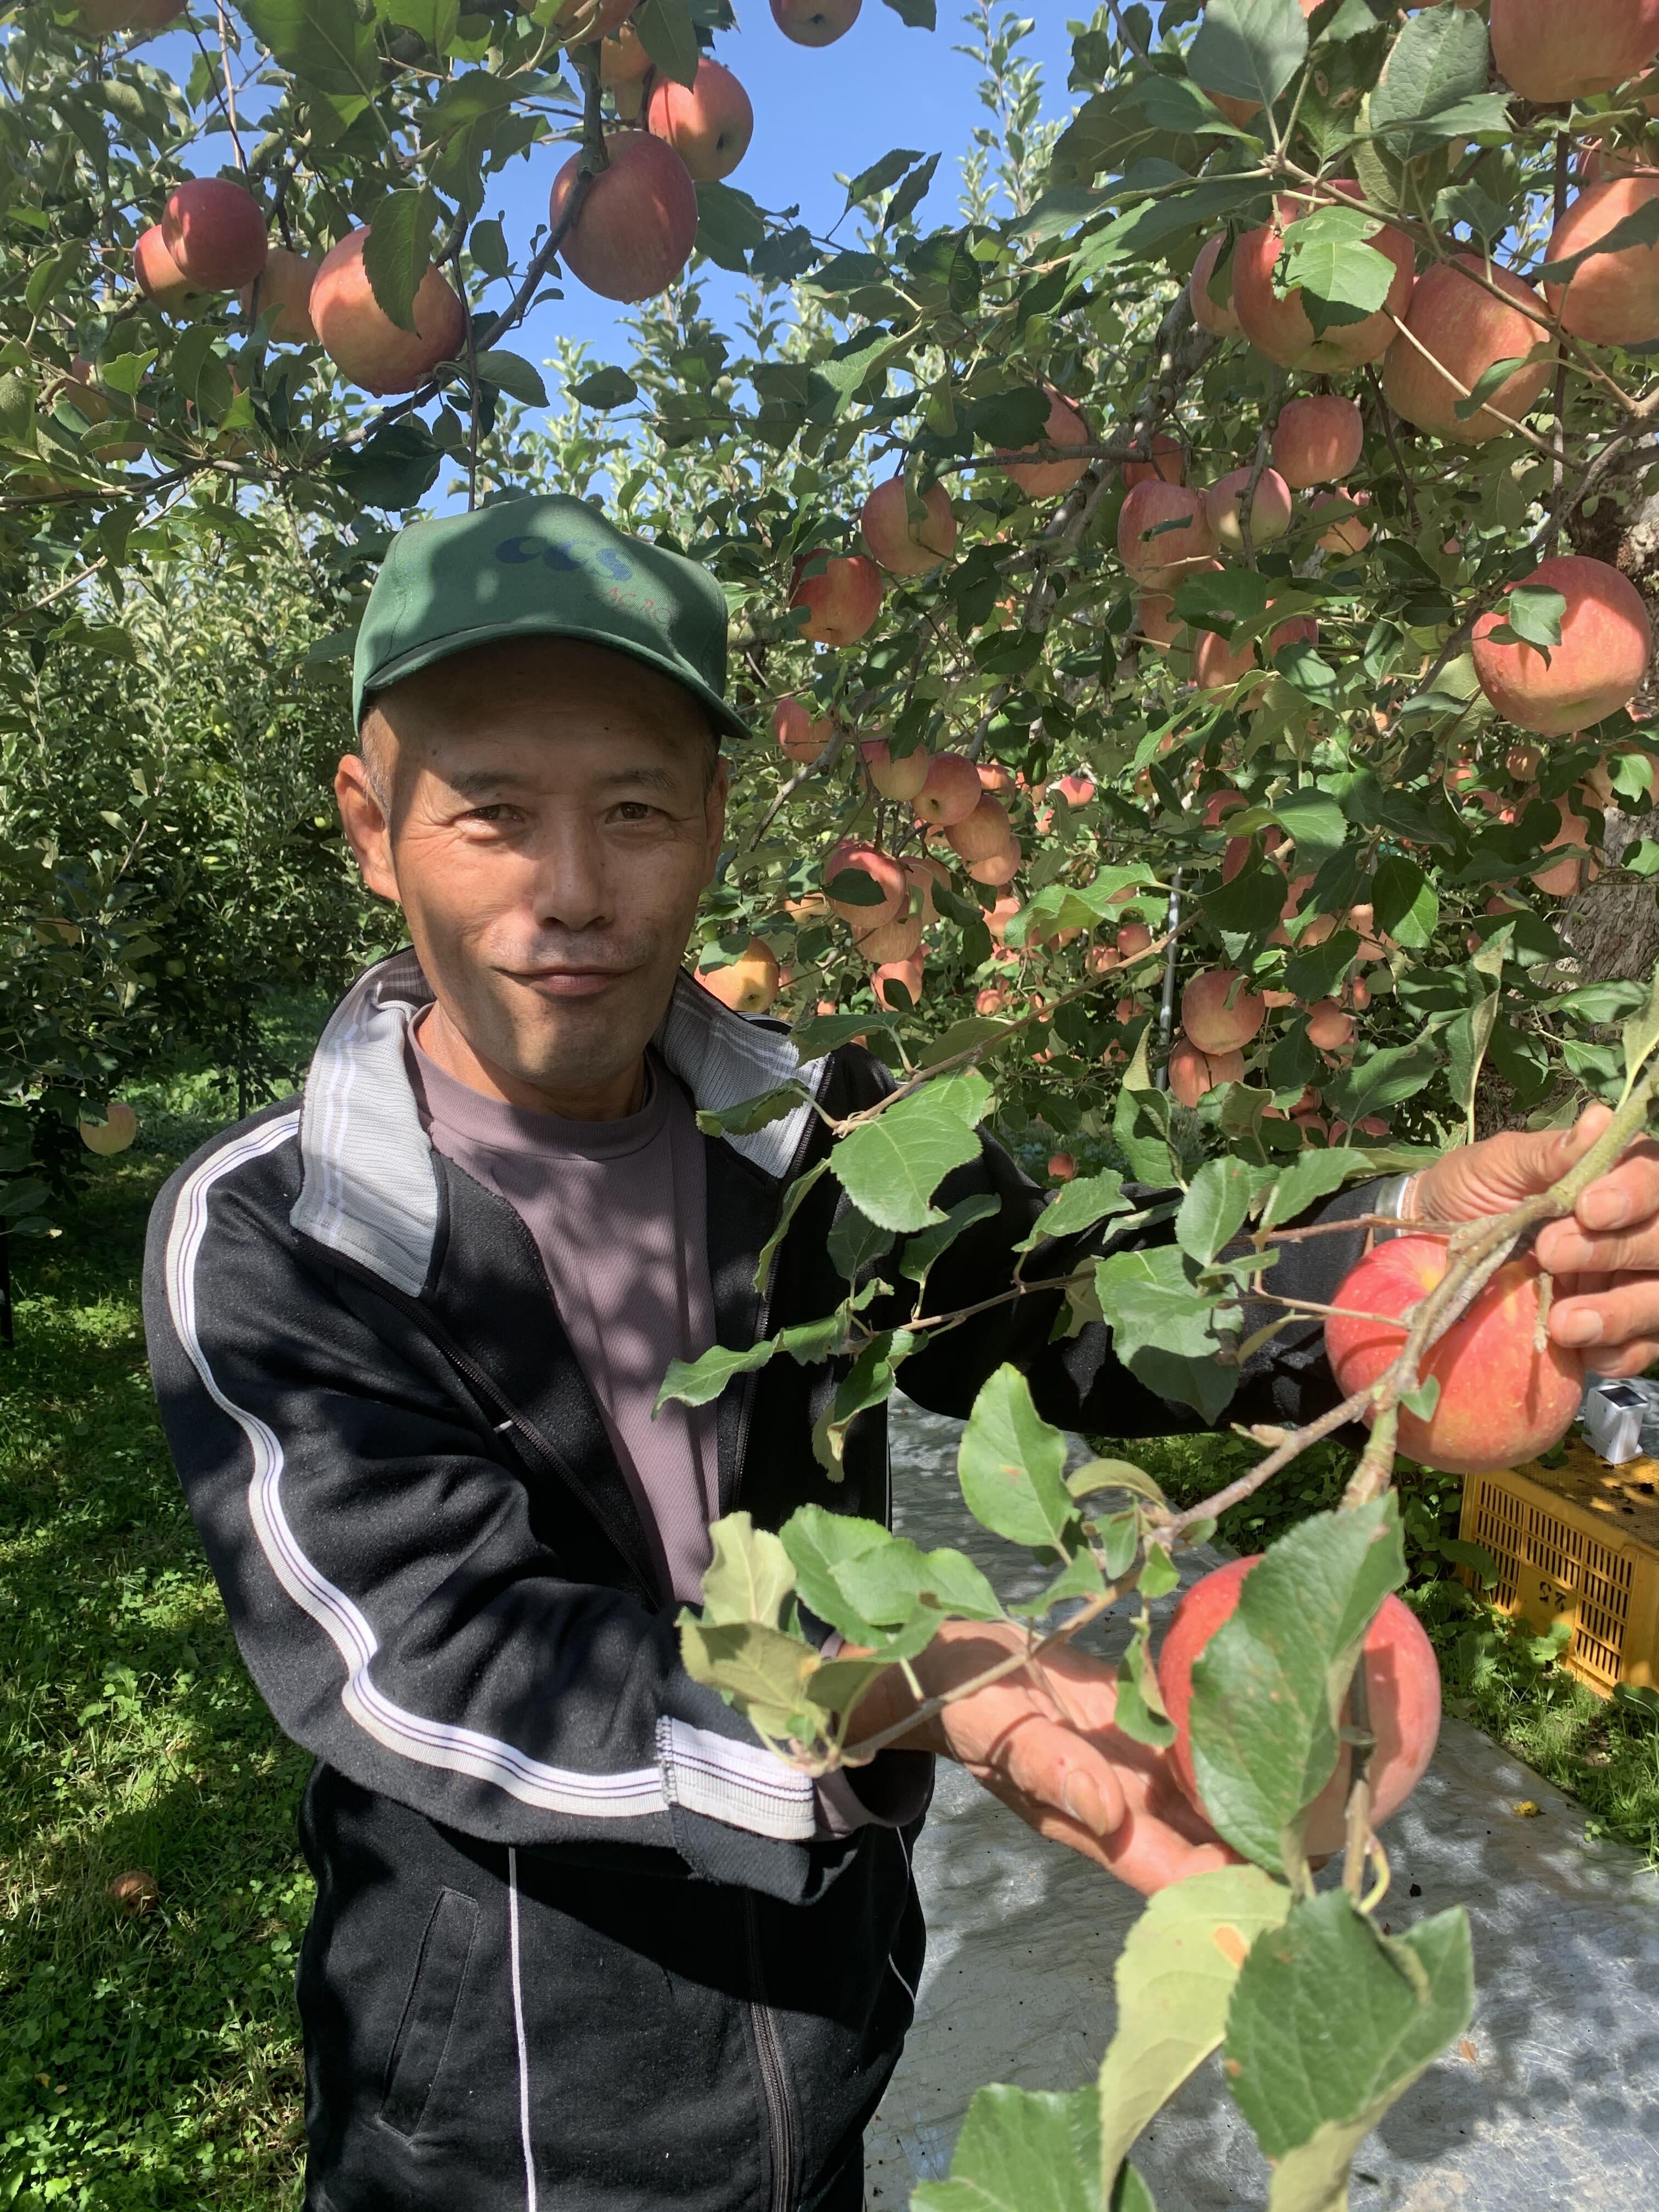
(1249, 49)
(891, 1166)
(1025, 2150)
(397, 252)
(1269, 1684)
(1174, 1978)
(669, 34)
(1012, 1466)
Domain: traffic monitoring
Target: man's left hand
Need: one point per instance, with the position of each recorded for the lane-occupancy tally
(1605, 1252)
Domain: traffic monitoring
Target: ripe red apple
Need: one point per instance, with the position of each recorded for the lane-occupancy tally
(843, 600)
(1402, 1682)
(113, 1133)
(1156, 619)
(625, 59)
(135, 1892)
(801, 738)
(709, 124)
(995, 869)
(951, 792)
(283, 283)
(1548, 52)
(880, 941)
(215, 232)
(904, 548)
(986, 831)
(1133, 940)
(1168, 461)
(638, 223)
(1563, 877)
(1220, 320)
(1076, 789)
(1062, 1168)
(1270, 510)
(1344, 532)
(883, 871)
(1279, 328)
(894, 778)
(748, 984)
(1329, 1029)
(160, 277)
(814, 23)
(1606, 640)
(1218, 666)
(1067, 426)
(1502, 1400)
(897, 985)
(926, 874)
(1192, 1073)
(1156, 555)
(1457, 321)
(1317, 440)
(1218, 1012)
(1612, 299)
(362, 339)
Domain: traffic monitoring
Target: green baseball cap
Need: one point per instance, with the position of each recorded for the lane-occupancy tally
(551, 567)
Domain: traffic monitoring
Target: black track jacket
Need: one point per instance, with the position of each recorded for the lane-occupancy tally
(577, 1941)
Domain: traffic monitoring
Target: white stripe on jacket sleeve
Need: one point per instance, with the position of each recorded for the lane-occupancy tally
(739, 1783)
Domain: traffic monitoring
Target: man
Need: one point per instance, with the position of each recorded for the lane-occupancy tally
(579, 1939)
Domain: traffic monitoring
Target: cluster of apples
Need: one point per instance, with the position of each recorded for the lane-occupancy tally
(632, 236)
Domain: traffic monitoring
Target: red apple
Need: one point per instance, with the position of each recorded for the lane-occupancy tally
(1062, 1168)
(1344, 532)
(926, 874)
(894, 778)
(904, 548)
(800, 738)
(1549, 52)
(158, 276)
(883, 871)
(1606, 639)
(215, 232)
(1563, 877)
(843, 600)
(1279, 328)
(1218, 1012)
(814, 23)
(1317, 440)
(1402, 1682)
(1168, 461)
(362, 339)
(1156, 619)
(748, 984)
(709, 124)
(1220, 319)
(1502, 1400)
(625, 59)
(285, 283)
(113, 1133)
(1329, 1029)
(1155, 554)
(1067, 426)
(897, 985)
(638, 223)
(951, 791)
(995, 869)
(1455, 319)
(986, 831)
(1270, 509)
(1076, 789)
(879, 942)
(1192, 1073)
(1612, 299)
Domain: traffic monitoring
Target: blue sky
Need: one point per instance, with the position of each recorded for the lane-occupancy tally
(817, 111)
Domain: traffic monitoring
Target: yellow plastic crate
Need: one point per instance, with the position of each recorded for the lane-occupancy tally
(1580, 1543)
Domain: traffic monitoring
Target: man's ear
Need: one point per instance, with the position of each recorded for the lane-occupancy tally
(367, 831)
(714, 814)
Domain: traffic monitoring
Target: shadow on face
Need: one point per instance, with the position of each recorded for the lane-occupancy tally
(547, 813)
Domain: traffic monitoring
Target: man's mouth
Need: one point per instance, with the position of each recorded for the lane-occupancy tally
(569, 980)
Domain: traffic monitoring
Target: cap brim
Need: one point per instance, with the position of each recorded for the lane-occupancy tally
(728, 723)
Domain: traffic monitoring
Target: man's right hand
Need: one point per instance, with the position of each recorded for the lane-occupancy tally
(1044, 1741)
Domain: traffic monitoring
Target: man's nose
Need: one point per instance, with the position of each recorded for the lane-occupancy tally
(571, 887)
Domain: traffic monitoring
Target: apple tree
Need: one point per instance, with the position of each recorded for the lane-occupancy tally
(1181, 595)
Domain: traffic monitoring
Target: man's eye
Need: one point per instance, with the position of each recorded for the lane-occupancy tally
(493, 815)
(635, 810)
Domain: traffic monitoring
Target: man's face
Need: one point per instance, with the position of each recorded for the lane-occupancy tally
(542, 811)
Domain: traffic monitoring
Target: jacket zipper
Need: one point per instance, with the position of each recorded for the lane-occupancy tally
(775, 2080)
(524, 1429)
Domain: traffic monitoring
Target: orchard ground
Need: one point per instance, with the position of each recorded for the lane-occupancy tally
(153, 2061)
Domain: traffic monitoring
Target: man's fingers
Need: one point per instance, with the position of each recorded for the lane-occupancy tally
(1567, 1248)
(1144, 1851)
(1626, 1195)
(1051, 1765)
(1632, 1359)
(1616, 1316)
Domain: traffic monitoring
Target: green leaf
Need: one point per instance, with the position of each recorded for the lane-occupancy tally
(697, 1382)
(1114, 1474)
(1217, 1206)
(1330, 2023)
(1640, 1036)
(1342, 278)
(1174, 1978)
(1405, 904)
(1023, 2150)
(729, 226)
(1140, 1710)
(1439, 61)
(1080, 1205)
(861, 1579)
(1315, 820)
(868, 1382)
(923, 1249)
(1311, 1175)
(767, 1675)
(1164, 1329)
(394, 467)
(1010, 1464)
(854, 1242)
(880, 175)
(398, 251)
(331, 48)
(1269, 1685)
(1249, 49)
(749, 1576)
(891, 1167)
(1008, 418)
(909, 195)
(1382, 1078)
(512, 373)
(793, 1198)
(749, 1115)
(1140, 1122)
(1534, 613)
(669, 34)
(919, 14)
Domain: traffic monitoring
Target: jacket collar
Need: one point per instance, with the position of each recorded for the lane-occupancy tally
(369, 1189)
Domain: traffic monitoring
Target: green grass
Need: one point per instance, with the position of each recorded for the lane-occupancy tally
(149, 2061)
(152, 2062)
